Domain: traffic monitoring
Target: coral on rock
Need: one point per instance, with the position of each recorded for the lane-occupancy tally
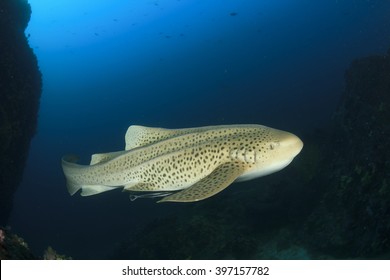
(12, 247)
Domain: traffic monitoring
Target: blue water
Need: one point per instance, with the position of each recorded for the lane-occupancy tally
(109, 64)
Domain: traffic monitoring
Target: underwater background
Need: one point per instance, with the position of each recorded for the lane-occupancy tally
(179, 63)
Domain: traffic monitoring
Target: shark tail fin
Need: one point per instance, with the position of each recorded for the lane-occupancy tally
(70, 168)
(68, 162)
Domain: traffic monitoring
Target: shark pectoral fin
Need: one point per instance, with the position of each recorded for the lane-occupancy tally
(100, 158)
(217, 181)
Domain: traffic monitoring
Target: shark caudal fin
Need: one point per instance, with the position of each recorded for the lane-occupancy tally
(68, 162)
(71, 170)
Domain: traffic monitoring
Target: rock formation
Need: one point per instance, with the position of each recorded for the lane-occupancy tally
(20, 90)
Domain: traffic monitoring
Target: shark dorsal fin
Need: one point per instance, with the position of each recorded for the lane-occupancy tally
(138, 136)
(100, 158)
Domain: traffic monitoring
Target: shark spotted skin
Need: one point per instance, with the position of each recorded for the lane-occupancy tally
(194, 163)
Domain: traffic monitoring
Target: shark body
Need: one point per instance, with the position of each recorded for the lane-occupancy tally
(194, 163)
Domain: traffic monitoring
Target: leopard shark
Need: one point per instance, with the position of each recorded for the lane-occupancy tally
(184, 165)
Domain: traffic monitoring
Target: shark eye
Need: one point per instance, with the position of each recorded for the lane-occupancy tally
(273, 145)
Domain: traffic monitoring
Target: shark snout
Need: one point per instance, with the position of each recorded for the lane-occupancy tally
(293, 144)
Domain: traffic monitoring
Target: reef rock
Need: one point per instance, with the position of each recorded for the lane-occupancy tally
(352, 219)
(20, 90)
